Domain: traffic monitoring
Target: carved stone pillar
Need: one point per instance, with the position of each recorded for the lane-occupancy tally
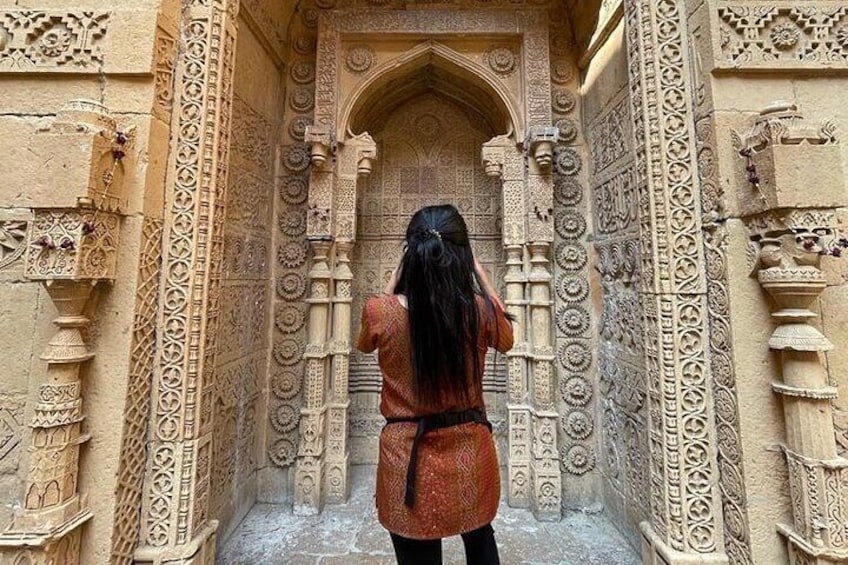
(503, 159)
(309, 472)
(547, 484)
(337, 485)
(783, 158)
(685, 526)
(70, 250)
(175, 524)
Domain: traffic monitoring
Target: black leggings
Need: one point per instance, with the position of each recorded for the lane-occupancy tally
(480, 549)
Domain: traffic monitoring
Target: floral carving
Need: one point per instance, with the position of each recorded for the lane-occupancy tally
(578, 459)
(296, 158)
(785, 36)
(359, 58)
(303, 72)
(291, 254)
(294, 190)
(293, 222)
(289, 319)
(501, 60)
(563, 101)
(291, 286)
(12, 241)
(52, 41)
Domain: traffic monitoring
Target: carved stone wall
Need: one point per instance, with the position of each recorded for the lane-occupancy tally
(575, 321)
(290, 257)
(622, 411)
(15, 329)
(243, 341)
(429, 153)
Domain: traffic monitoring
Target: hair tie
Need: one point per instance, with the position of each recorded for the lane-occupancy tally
(435, 233)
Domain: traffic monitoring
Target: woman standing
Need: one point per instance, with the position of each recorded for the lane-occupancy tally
(437, 474)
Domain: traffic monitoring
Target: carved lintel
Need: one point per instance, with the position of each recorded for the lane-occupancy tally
(321, 144)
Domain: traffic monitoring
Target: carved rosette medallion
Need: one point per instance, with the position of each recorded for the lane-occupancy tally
(359, 58)
(502, 60)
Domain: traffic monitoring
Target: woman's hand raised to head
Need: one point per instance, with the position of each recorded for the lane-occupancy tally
(483, 277)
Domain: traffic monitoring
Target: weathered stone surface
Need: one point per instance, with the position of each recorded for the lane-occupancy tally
(634, 250)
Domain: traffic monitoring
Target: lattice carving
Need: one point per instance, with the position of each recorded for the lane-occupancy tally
(133, 450)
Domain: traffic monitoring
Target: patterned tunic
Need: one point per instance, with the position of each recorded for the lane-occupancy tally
(458, 484)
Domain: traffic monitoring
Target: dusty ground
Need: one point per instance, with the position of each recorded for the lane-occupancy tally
(349, 534)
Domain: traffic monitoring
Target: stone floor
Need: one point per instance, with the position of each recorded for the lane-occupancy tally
(349, 534)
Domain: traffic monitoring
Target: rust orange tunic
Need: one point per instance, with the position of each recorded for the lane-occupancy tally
(458, 484)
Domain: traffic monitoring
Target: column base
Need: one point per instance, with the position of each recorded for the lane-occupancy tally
(802, 552)
(308, 482)
(656, 552)
(59, 544)
(337, 480)
(200, 550)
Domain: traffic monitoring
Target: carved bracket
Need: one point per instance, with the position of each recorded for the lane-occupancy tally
(321, 144)
(365, 152)
(789, 162)
(540, 144)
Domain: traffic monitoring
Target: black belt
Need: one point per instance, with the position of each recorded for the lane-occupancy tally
(425, 424)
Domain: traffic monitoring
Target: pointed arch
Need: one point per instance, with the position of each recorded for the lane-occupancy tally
(430, 65)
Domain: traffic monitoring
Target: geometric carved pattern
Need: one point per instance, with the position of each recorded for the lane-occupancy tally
(49, 41)
(757, 34)
(12, 241)
(683, 476)
(137, 411)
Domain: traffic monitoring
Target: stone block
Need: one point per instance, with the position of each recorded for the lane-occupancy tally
(33, 95)
(795, 176)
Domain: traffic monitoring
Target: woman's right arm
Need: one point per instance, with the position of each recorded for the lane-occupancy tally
(500, 331)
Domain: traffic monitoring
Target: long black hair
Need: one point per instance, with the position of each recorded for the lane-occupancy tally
(441, 287)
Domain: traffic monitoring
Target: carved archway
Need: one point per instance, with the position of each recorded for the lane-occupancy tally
(521, 157)
(430, 65)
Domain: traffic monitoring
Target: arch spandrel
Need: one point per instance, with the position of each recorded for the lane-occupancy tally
(430, 65)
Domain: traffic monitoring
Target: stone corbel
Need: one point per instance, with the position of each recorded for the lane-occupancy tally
(71, 248)
(494, 155)
(789, 163)
(321, 144)
(87, 152)
(365, 152)
(540, 144)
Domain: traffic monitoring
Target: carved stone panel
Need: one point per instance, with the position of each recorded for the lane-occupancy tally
(429, 154)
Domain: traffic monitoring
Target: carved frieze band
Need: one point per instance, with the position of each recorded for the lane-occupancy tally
(51, 41)
(757, 34)
(685, 510)
(176, 491)
(137, 411)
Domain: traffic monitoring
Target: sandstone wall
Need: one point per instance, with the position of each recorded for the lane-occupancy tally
(123, 57)
(621, 413)
(739, 72)
(242, 346)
